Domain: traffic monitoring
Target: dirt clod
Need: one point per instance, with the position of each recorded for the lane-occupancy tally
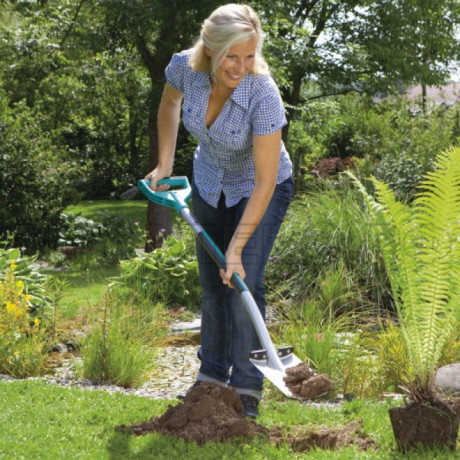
(305, 383)
(301, 439)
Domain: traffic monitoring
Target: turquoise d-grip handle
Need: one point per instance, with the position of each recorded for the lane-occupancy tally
(176, 181)
(176, 198)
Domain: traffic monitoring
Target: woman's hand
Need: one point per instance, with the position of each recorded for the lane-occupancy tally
(156, 175)
(234, 265)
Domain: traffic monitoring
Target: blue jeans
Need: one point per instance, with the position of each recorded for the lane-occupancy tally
(227, 333)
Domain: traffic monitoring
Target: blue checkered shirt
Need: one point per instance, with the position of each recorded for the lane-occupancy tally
(223, 160)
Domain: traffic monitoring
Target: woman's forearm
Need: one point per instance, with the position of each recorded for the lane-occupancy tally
(168, 123)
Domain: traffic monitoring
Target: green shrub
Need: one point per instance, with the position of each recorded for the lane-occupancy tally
(111, 237)
(402, 173)
(121, 237)
(325, 230)
(396, 141)
(34, 186)
(168, 274)
(79, 231)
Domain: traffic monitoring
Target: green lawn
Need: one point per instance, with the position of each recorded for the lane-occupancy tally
(83, 289)
(132, 210)
(44, 421)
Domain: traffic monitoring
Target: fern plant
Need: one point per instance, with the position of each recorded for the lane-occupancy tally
(421, 248)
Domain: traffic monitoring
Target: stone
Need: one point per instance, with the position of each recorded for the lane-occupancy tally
(182, 326)
(447, 379)
(59, 347)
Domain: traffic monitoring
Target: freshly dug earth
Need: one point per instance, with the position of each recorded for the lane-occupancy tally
(301, 439)
(305, 383)
(210, 412)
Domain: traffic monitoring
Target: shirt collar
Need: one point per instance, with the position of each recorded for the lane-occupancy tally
(241, 94)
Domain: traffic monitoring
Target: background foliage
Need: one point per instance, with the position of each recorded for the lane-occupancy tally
(80, 84)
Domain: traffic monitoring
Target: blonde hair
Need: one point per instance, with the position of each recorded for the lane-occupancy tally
(226, 26)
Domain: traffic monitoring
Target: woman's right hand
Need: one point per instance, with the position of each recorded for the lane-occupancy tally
(155, 176)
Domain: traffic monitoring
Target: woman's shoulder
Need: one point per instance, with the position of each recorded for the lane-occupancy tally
(263, 86)
(179, 73)
(182, 57)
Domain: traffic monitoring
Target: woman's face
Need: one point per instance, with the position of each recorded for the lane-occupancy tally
(237, 63)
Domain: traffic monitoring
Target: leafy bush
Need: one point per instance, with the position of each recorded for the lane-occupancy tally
(33, 181)
(397, 142)
(402, 174)
(22, 341)
(121, 237)
(111, 238)
(78, 231)
(168, 274)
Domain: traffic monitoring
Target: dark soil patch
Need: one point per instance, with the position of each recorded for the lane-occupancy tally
(210, 412)
(305, 383)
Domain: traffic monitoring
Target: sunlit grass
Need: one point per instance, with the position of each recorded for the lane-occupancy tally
(82, 289)
(42, 421)
(132, 210)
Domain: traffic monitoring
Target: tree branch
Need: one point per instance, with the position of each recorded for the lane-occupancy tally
(72, 23)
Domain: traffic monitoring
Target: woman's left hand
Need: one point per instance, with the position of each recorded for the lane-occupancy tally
(234, 265)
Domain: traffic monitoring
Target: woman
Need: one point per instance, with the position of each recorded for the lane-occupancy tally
(242, 181)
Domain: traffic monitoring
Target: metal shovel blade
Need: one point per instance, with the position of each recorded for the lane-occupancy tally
(273, 371)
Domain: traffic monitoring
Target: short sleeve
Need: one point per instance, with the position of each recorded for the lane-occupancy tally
(268, 115)
(176, 70)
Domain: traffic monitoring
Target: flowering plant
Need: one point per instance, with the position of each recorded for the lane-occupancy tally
(22, 339)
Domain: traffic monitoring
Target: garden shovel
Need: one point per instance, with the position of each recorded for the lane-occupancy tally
(271, 362)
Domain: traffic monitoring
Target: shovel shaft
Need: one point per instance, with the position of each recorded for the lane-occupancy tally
(240, 286)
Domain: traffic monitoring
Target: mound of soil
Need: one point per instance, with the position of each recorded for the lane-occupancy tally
(209, 412)
(305, 383)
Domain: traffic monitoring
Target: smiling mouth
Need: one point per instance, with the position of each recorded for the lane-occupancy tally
(234, 77)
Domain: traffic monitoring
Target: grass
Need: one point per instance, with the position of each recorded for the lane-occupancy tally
(132, 210)
(82, 289)
(44, 421)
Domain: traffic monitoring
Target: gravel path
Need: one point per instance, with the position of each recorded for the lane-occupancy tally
(174, 375)
(176, 372)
